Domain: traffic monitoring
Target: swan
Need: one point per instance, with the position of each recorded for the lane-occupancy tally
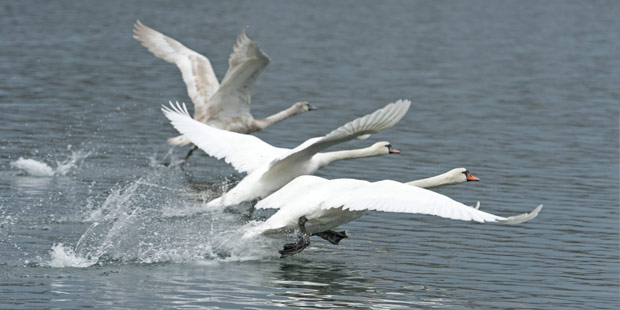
(225, 106)
(268, 167)
(316, 206)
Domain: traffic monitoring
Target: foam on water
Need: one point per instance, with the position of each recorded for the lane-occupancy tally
(64, 256)
(147, 221)
(33, 167)
(37, 168)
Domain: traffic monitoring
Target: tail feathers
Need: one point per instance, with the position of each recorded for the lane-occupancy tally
(179, 141)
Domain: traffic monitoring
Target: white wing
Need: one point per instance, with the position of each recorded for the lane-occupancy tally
(330, 203)
(196, 69)
(379, 120)
(392, 196)
(297, 193)
(233, 97)
(245, 152)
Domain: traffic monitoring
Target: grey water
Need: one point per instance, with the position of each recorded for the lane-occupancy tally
(522, 93)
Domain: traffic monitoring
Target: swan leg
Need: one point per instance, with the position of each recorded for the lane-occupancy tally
(252, 208)
(194, 147)
(303, 240)
(333, 237)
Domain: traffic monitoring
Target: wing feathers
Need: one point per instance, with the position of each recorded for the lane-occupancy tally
(377, 121)
(196, 69)
(391, 196)
(245, 152)
(246, 63)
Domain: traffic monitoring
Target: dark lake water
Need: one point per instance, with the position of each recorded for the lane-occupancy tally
(522, 93)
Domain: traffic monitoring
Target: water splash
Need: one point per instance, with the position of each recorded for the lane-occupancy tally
(33, 167)
(139, 223)
(37, 168)
(169, 160)
(63, 256)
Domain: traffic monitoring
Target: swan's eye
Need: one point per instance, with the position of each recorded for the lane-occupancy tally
(389, 146)
(466, 172)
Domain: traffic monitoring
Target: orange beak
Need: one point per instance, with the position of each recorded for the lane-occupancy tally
(393, 150)
(471, 177)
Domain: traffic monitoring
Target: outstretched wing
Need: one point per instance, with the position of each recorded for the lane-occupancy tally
(233, 97)
(377, 121)
(196, 69)
(392, 196)
(302, 191)
(245, 152)
(326, 203)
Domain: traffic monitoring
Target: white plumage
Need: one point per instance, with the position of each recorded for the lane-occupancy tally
(245, 153)
(330, 203)
(225, 106)
(269, 167)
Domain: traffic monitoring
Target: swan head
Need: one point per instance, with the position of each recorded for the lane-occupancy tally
(384, 148)
(302, 106)
(460, 175)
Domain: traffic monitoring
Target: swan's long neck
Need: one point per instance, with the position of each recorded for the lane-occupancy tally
(261, 124)
(436, 181)
(327, 158)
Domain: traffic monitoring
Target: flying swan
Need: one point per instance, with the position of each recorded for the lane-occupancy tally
(316, 206)
(268, 167)
(225, 106)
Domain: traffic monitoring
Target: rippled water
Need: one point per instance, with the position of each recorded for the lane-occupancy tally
(524, 94)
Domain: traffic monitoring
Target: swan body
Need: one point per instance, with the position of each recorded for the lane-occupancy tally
(326, 204)
(227, 105)
(269, 168)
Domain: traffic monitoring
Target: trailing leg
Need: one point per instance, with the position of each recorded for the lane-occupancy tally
(333, 237)
(252, 208)
(303, 240)
(194, 147)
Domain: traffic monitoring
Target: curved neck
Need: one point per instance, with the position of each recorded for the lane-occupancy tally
(270, 120)
(325, 159)
(436, 181)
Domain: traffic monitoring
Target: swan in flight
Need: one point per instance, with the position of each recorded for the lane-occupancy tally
(316, 206)
(268, 167)
(225, 106)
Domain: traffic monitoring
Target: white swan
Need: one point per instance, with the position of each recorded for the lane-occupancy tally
(317, 205)
(225, 106)
(269, 168)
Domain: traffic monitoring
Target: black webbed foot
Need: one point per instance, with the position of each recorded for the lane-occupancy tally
(333, 237)
(303, 240)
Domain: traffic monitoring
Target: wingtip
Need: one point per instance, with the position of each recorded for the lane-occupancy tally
(138, 28)
(517, 219)
(403, 102)
(179, 108)
(137, 25)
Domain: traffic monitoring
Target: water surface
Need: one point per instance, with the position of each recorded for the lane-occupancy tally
(523, 94)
